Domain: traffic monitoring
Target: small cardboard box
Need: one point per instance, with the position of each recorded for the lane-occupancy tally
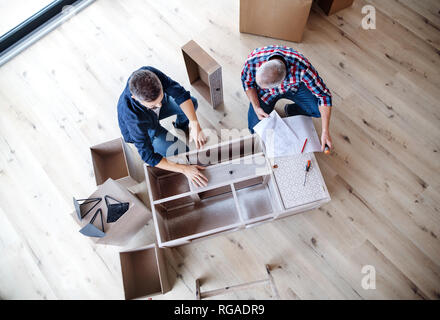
(119, 232)
(114, 159)
(144, 272)
(204, 73)
(280, 19)
(332, 6)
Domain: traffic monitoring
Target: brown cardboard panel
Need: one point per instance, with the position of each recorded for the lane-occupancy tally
(191, 67)
(162, 225)
(167, 185)
(121, 231)
(200, 56)
(127, 182)
(203, 89)
(110, 161)
(332, 6)
(134, 163)
(205, 215)
(204, 73)
(173, 184)
(162, 267)
(280, 19)
(142, 272)
(108, 164)
(141, 192)
(115, 159)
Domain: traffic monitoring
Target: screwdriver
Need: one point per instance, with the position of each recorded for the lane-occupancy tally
(309, 164)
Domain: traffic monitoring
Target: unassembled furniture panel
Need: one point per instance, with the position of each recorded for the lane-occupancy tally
(120, 231)
(144, 272)
(245, 188)
(114, 159)
(204, 73)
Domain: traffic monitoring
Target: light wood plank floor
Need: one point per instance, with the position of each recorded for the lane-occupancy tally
(59, 97)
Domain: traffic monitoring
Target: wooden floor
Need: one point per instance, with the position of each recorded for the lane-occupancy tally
(59, 97)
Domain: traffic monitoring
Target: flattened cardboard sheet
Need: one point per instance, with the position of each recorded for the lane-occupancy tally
(121, 231)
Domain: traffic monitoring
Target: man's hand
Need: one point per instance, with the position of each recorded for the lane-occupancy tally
(326, 140)
(260, 113)
(196, 134)
(192, 173)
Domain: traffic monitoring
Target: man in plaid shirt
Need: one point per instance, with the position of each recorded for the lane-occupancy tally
(274, 72)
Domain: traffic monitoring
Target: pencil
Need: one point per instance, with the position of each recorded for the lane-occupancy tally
(304, 146)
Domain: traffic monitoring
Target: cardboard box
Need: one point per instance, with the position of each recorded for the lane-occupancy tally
(332, 6)
(121, 231)
(204, 73)
(114, 159)
(144, 272)
(280, 19)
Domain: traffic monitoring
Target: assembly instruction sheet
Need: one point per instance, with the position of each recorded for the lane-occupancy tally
(286, 136)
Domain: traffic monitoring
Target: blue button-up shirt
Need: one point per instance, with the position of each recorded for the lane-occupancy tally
(138, 123)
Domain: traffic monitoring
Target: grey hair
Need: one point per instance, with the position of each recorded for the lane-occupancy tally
(271, 73)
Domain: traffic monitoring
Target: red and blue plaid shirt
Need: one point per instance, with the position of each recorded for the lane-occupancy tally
(299, 69)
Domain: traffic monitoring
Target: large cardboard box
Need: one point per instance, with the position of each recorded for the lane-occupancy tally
(119, 232)
(280, 19)
(144, 272)
(204, 73)
(114, 159)
(332, 6)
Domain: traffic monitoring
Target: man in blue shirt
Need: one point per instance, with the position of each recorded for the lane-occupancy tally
(148, 97)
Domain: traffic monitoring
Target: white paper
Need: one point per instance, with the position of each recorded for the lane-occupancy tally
(304, 128)
(286, 136)
(276, 135)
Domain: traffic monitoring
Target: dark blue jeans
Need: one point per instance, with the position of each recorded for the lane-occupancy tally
(306, 104)
(162, 138)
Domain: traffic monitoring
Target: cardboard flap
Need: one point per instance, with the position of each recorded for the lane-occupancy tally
(201, 58)
(109, 161)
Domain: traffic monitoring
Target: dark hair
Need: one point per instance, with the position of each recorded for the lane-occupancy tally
(145, 85)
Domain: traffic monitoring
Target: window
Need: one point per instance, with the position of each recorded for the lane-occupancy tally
(25, 21)
(14, 12)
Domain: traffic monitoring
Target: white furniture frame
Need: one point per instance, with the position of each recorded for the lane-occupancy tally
(242, 192)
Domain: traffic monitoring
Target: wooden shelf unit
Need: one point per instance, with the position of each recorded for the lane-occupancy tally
(242, 192)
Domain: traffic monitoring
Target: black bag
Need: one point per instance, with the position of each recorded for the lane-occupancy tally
(115, 210)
